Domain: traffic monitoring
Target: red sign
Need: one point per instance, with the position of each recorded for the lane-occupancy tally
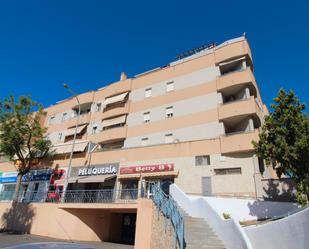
(147, 168)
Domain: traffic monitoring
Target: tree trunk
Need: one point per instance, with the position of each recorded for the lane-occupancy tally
(17, 187)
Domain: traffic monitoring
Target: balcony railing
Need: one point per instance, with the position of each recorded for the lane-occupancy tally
(75, 196)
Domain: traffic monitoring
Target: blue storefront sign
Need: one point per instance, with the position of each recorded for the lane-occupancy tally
(35, 175)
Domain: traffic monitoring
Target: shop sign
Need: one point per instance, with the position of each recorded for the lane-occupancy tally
(147, 168)
(37, 175)
(94, 170)
(9, 177)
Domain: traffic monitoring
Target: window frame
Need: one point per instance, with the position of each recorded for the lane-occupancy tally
(168, 88)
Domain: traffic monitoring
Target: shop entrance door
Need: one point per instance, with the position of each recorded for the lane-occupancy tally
(206, 186)
(128, 229)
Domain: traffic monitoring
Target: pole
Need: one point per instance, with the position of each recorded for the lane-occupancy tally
(73, 144)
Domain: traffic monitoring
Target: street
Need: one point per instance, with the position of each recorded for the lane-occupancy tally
(8, 239)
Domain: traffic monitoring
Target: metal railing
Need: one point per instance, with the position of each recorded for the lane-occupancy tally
(169, 208)
(74, 196)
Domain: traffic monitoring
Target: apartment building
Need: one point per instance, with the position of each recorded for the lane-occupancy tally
(190, 122)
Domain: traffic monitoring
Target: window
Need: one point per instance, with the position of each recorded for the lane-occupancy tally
(98, 107)
(202, 160)
(146, 117)
(64, 116)
(94, 129)
(59, 136)
(144, 141)
(168, 138)
(170, 86)
(148, 93)
(169, 112)
(228, 171)
(51, 120)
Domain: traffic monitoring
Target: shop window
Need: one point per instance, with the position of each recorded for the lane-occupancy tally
(146, 117)
(202, 160)
(144, 141)
(170, 86)
(168, 138)
(169, 112)
(148, 93)
(228, 171)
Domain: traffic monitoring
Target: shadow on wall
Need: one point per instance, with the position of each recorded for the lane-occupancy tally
(279, 190)
(18, 218)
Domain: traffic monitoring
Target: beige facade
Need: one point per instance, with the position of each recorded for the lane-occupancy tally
(191, 122)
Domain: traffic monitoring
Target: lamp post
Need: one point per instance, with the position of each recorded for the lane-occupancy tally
(74, 138)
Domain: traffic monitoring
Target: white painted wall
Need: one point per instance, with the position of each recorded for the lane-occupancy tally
(229, 231)
(181, 108)
(181, 82)
(191, 133)
(288, 233)
(249, 209)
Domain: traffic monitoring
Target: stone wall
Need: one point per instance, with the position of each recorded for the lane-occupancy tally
(162, 232)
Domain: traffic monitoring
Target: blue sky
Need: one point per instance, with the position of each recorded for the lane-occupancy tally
(88, 43)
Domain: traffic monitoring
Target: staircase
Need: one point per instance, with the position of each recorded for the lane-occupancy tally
(199, 235)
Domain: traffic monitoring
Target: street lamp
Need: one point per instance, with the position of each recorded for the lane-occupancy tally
(74, 138)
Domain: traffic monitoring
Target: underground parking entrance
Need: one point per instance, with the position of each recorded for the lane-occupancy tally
(114, 225)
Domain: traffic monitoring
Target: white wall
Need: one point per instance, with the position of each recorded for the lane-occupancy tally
(181, 82)
(245, 209)
(181, 108)
(228, 231)
(288, 233)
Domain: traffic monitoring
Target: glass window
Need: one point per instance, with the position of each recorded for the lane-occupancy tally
(144, 141)
(59, 136)
(169, 112)
(148, 92)
(51, 120)
(94, 129)
(170, 86)
(98, 107)
(228, 171)
(146, 117)
(202, 160)
(64, 116)
(169, 138)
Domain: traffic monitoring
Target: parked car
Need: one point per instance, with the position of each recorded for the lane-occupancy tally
(51, 245)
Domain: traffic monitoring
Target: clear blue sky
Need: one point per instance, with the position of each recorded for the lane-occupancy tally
(88, 43)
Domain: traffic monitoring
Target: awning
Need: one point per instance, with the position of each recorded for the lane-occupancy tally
(71, 131)
(129, 176)
(79, 146)
(113, 121)
(232, 61)
(88, 179)
(158, 174)
(115, 99)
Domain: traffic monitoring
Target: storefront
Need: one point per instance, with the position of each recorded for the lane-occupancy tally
(143, 176)
(7, 185)
(34, 185)
(95, 183)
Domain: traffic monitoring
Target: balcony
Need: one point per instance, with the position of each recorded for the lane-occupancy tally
(240, 108)
(238, 142)
(237, 80)
(233, 50)
(109, 134)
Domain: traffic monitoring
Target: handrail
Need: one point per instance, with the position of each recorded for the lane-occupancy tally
(169, 208)
(73, 196)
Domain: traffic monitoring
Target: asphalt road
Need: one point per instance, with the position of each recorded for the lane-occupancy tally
(7, 239)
